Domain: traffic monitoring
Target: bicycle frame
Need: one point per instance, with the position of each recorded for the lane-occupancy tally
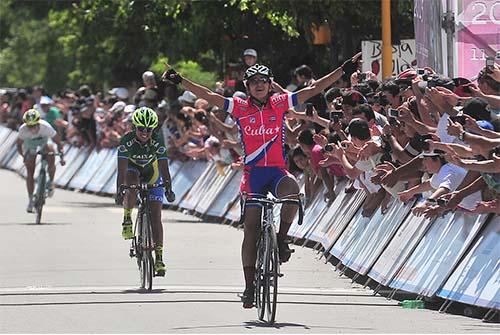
(41, 184)
(267, 269)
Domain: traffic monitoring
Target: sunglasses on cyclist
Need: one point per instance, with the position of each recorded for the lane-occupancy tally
(144, 129)
(258, 80)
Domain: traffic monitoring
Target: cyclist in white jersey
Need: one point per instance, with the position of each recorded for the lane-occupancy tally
(35, 135)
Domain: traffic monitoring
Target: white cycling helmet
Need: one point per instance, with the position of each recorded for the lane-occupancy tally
(258, 69)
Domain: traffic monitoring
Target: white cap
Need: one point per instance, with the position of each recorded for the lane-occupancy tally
(120, 92)
(250, 52)
(45, 100)
(129, 109)
(117, 107)
(148, 76)
(187, 97)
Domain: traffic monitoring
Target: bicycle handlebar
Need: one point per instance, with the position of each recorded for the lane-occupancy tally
(248, 199)
(142, 186)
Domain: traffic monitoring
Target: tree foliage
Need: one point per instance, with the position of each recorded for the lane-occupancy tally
(61, 43)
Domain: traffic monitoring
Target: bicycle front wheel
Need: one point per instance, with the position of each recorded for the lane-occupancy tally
(147, 264)
(260, 287)
(272, 259)
(40, 196)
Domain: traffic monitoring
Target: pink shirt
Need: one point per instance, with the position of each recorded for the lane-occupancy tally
(262, 128)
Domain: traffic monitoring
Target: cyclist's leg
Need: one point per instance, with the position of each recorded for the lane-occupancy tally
(286, 185)
(156, 201)
(29, 162)
(51, 168)
(250, 184)
(132, 177)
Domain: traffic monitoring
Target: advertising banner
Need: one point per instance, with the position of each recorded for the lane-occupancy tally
(477, 35)
(197, 190)
(185, 179)
(89, 168)
(311, 214)
(226, 196)
(218, 186)
(476, 280)
(107, 168)
(437, 253)
(8, 149)
(72, 167)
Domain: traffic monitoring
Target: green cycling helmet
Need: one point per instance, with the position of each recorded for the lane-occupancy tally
(31, 117)
(145, 117)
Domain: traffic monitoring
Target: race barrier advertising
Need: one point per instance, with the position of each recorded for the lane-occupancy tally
(455, 257)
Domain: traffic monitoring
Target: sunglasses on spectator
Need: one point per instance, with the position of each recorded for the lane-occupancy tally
(144, 129)
(258, 80)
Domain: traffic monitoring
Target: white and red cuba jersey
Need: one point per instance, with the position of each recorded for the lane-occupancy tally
(262, 128)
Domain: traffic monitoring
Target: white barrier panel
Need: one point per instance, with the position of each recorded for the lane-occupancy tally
(110, 186)
(72, 167)
(16, 162)
(350, 235)
(174, 167)
(5, 133)
(317, 232)
(311, 214)
(373, 240)
(234, 213)
(218, 186)
(437, 253)
(226, 197)
(196, 192)
(399, 249)
(343, 215)
(476, 280)
(107, 167)
(69, 154)
(185, 179)
(8, 148)
(88, 170)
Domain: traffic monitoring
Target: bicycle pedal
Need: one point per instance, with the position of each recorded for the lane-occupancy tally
(280, 275)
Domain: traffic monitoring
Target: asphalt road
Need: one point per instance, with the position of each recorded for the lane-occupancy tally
(72, 274)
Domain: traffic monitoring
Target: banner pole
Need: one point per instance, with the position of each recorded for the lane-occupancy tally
(386, 39)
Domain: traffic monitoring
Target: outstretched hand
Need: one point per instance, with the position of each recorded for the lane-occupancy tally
(171, 75)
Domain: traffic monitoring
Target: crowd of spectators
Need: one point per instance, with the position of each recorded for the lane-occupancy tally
(417, 136)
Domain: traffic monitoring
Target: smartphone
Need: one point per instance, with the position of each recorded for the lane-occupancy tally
(459, 118)
(393, 112)
(490, 62)
(393, 121)
(420, 72)
(309, 109)
(336, 116)
(442, 202)
(328, 148)
(344, 145)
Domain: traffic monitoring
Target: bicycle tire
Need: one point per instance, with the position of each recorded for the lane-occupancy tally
(40, 196)
(260, 292)
(148, 247)
(272, 277)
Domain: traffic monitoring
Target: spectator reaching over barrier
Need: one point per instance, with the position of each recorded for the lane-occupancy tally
(261, 123)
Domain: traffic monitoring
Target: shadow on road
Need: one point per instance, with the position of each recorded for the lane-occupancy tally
(34, 224)
(89, 204)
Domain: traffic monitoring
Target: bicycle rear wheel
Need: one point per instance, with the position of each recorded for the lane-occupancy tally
(272, 276)
(40, 196)
(260, 289)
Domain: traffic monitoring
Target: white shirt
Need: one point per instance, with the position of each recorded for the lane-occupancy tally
(45, 130)
(449, 176)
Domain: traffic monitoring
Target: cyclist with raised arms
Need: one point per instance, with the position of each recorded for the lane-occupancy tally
(260, 120)
(36, 135)
(142, 156)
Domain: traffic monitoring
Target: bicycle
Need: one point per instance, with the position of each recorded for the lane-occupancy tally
(41, 184)
(267, 270)
(142, 245)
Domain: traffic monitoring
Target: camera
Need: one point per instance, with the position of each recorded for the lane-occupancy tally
(309, 109)
(361, 76)
(420, 72)
(458, 118)
(336, 116)
(344, 146)
(393, 112)
(393, 121)
(328, 148)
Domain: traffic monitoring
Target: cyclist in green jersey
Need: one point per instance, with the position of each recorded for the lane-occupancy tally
(142, 156)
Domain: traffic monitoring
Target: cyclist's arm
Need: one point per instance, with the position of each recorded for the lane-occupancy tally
(204, 93)
(165, 173)
(19, 145)
(122, 171)
(58, 142)
(319, 85)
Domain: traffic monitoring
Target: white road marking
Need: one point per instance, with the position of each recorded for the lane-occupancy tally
(236, 289)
